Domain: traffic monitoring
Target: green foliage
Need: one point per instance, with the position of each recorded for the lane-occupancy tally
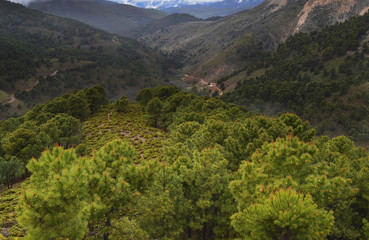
(44, 56)
(115, 184)
(25, 143)
(96, 97)
(54, 203)
(290, 163)
(319, 75)
(366, 228)
(65, 193)
(8, 205)
(153, 110)
(164, 205)
(10, 171)
(205, 179)
(122, 104)
(78, 106)
(64, 130)
(286, 214)
(220, 173)
(108, 124)
(145, 95)
(56, 121)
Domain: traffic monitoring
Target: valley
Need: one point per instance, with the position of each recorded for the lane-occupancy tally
(119, 122)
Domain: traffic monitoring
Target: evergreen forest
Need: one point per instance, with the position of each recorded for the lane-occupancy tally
(99, 141)
(321, 76)
(174, 165)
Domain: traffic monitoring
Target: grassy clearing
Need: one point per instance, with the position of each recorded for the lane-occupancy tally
(4, 97)
(9, 228)
(104, 126)
(109, 124)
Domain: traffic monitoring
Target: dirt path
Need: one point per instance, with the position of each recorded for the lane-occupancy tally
(109, 114)
(12, 98)
(54, 73)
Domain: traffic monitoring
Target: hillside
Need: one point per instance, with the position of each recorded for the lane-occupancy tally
(207, 10)
(109, 16)
(321, 76)
(211, 171)
(213, 49)
(163, 23)
(44, 56)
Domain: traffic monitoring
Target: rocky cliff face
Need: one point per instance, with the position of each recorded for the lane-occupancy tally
(319, 13)
(212, 49)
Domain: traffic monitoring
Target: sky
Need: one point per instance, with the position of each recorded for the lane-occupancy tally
(146, 3)
(166, 3)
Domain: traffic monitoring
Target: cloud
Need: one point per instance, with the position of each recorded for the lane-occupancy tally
(24, 2)
(165, 3)
(145, 3)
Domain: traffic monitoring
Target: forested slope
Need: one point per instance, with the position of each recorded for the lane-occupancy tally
(220, 172)
(321, 76)
(217, 47)
(43, 56)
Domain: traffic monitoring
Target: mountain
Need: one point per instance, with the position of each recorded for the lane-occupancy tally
(43, 56)
(207, 10)
(322, 76)
(163, 23)
(215, 48)
(112, 17)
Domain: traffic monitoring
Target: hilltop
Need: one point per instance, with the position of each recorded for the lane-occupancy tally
(203, 172)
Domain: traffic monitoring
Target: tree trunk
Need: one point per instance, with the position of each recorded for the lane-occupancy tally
(107, 227)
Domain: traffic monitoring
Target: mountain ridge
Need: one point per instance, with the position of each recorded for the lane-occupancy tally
(110, 16)
(198, 44)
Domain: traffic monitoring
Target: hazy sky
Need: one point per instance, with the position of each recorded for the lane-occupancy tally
(145, 3)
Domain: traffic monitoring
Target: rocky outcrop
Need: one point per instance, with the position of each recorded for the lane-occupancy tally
(319, 13)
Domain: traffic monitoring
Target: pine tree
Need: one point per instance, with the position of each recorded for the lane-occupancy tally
(205, 179)
(64, 130)
(116, 183)
(54, 203)
(291, 163)
(10, 171)
(153, 110)
(25, 143)
(285, 214)
(122, 104)
(163, 206)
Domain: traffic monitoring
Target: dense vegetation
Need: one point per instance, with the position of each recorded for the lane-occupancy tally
(175, 165)
(220, 172)
(322, 76)
(43, 57)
